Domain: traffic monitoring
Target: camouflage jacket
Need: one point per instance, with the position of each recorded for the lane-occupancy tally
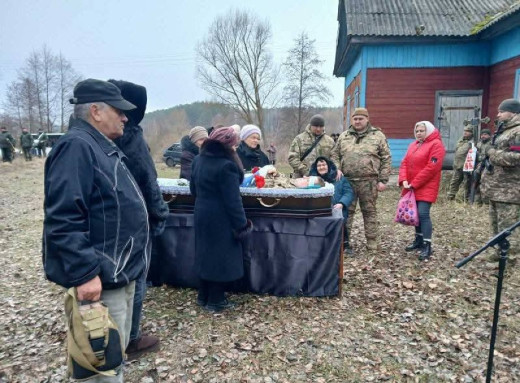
(461, 151)
(6, 140)
(299, 146)
(482, 148)
(364, 155)
(26, 140)
(502, 184)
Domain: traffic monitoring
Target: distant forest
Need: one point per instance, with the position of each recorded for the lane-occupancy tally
(165, 127)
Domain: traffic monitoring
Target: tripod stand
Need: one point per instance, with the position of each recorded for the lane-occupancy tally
(501, 240)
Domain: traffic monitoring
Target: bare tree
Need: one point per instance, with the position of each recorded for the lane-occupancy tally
(67, 78)
(236, 66)
(305, 83)
(39, 96)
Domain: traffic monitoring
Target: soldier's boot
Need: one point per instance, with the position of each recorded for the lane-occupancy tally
(373, 245)
(426, 251)
(416, 244)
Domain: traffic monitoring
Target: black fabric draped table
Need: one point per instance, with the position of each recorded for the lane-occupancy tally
(295, 247)
(284, 256)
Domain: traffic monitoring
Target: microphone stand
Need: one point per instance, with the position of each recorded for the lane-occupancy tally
(501, 240)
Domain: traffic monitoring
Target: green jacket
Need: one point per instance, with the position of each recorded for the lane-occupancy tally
(501, 184)
(363, 155)
(6, 140)
(300, 144)
(461, 151)
(26, 140)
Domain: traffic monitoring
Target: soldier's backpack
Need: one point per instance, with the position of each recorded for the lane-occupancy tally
(93, 340)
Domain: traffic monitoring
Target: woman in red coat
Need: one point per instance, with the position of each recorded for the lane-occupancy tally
(421, 171)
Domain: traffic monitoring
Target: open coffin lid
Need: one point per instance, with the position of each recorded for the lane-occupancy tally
(258, 202)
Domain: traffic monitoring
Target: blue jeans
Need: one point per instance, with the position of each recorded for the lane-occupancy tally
(140, 293)
(425, 223)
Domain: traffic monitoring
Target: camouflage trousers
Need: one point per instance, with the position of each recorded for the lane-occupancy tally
(366, 193)
(503, 215)
(459, 177)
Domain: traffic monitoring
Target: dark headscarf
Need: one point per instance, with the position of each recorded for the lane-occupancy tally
(331, 174)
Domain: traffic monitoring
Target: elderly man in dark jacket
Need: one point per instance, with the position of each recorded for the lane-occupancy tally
(142, 167)
(95, 233)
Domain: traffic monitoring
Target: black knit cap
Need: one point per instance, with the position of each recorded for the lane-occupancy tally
(317, 120)
(510, 105)
(92, 90)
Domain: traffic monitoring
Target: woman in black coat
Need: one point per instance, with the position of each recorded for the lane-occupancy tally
(220, 221)
(249, 150)
(190, 145)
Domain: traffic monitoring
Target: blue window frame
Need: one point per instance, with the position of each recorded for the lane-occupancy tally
(517, 85)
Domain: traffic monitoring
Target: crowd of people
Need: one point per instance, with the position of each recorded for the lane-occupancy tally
(102, 202)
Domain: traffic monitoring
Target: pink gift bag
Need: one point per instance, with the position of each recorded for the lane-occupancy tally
(407, 210)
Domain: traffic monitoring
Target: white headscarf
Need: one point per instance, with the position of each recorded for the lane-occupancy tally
(429, 128)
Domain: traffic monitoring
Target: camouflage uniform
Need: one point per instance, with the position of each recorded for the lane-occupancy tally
(300, 144)
(365, 159)
(460, 177)
(502, 184)
(7, 143)
(26, 142)
(482, 148)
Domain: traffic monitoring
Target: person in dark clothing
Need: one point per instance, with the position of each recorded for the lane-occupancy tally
(190, 145)
(142, 167)
(343, 192)
(249, 150)
(220, 220)
(7, 145)
(95, 228)
(41, 146)
(26, 142)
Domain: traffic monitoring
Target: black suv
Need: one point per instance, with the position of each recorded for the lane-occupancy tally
(172, 155)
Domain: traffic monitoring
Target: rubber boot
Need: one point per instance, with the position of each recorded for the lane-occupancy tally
(416, 244)
(426, 251)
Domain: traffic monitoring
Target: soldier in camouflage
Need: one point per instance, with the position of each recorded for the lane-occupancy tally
(26, 142)
(303, 141)
(501, 177)
(482, 147)
(42, 143)
(460, 177)
(7, 143)
(363, 155)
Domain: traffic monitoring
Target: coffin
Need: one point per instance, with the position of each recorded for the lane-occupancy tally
(259, 202)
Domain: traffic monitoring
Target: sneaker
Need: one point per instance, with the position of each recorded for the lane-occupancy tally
(226, 304)
(138, 347)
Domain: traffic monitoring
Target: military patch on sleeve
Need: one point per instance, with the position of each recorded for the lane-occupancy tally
(434, 160)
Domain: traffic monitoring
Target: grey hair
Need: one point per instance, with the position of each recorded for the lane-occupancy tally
(83, 110)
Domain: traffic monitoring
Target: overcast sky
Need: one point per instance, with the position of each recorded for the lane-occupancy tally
(152, 42)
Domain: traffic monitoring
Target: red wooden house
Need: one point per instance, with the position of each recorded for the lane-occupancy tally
(413, 60)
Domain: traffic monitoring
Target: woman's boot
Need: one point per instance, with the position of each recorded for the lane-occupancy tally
(416, 244)
(426, 251)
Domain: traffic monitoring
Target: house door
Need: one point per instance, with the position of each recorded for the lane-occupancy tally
(452, 108)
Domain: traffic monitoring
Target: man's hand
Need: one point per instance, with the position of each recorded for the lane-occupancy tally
(381, 186)
(90, 291)
(406, 185)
